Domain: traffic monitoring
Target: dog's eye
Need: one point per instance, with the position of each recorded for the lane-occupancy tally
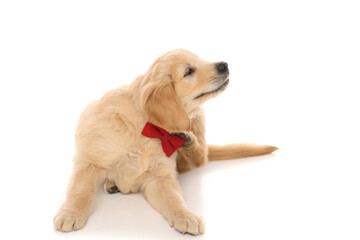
(189, 71)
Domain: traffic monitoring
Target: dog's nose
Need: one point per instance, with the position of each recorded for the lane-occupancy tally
(222, 67)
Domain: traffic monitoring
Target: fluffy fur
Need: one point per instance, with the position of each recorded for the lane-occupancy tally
(110, 147)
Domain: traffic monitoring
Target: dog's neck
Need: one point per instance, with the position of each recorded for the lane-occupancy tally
(134, 90)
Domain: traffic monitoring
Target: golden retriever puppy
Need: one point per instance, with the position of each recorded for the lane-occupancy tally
(110, 146)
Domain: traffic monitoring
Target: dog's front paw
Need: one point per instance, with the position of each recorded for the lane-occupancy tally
(67, 221)
(188, 222)
(185, 137)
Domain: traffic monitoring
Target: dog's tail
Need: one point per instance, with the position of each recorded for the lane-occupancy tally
(235, 151)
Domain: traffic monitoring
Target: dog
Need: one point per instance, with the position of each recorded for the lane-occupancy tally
(111, 146)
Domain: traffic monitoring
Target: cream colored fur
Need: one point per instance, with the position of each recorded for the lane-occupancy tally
(110, 147)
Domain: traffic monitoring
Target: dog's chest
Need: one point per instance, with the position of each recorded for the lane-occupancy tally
(141, 161)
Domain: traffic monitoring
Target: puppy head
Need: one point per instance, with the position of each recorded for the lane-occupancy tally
(177, 83)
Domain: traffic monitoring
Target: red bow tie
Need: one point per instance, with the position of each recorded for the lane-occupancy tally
(170, 142)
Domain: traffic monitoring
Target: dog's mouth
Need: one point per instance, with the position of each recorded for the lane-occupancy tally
(217, 90)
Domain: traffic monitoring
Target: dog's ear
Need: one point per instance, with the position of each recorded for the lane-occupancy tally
(163, 108)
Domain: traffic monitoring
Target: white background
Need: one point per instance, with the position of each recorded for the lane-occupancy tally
(295, 72)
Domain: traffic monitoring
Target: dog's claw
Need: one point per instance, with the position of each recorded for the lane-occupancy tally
(185, 137)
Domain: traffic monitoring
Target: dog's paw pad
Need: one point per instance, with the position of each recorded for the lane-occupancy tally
(110, 187)
(184, 137)
(113, 189)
